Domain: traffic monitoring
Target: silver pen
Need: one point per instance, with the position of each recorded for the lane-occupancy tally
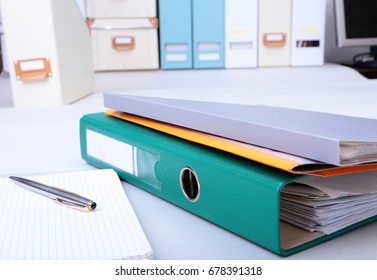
(58, 195)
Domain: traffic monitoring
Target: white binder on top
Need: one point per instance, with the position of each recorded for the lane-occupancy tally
(308, 32)
(274, 33)
(241, 33)
(328, 138)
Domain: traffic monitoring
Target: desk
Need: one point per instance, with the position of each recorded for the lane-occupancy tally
(45, 140)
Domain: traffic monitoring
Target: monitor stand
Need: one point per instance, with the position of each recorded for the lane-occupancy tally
(365, 61)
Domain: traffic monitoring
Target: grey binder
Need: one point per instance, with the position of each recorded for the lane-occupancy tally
(329, 138)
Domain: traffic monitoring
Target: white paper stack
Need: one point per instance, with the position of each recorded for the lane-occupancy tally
(329, 204)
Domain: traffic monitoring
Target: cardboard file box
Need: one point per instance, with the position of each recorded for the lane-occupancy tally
(49, 52)
(125, 44)
(274, 33)
(208, 33)
(241, 33)
(308, 32)
(121, 8)
(175, 18)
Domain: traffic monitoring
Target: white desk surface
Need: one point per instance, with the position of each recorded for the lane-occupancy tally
(46, 140)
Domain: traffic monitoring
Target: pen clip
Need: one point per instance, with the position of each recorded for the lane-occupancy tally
(71, 204)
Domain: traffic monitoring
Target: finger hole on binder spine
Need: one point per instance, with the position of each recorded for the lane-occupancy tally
(189, 184)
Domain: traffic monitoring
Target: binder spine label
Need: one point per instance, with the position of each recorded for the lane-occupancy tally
(116, 153)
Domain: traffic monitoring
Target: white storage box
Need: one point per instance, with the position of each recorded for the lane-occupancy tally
(308, 32)
(49, 52)
(125, 44)
(121, 8)
(241, 33)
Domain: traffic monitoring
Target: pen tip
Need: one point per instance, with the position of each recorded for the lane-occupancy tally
(93, 205)
(17, 179)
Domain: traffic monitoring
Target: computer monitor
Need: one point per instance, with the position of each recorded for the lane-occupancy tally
(356, 25)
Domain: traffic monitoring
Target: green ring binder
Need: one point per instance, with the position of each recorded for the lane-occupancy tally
(235, 193)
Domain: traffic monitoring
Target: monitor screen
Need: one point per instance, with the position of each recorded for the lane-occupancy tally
(356, 25)
(356, 22)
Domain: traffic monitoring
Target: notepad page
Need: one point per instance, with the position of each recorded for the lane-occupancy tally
(34, 227)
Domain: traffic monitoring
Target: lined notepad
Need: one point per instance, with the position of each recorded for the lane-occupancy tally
(34, 227)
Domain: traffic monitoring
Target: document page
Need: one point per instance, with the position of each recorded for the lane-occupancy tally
(33, 226)
(328, 204)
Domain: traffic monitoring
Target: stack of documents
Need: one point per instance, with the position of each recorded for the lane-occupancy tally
(311, 174)
(296, 141)
(328, 204)
(324, 204)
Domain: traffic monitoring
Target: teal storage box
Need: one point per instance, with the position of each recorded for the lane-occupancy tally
(208, 33)
(175, 18)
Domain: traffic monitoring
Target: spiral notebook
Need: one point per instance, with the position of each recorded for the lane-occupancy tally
(34, 227)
